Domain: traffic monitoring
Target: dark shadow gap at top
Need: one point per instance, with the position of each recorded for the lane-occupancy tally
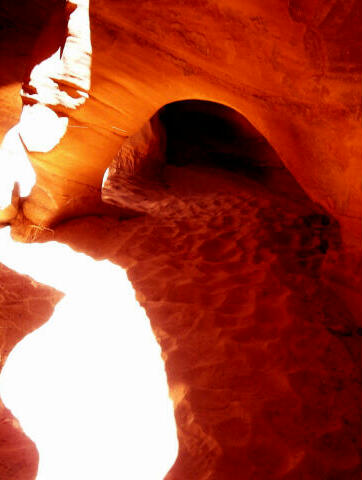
(21, 25)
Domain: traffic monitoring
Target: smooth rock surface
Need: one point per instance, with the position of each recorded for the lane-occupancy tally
(292, 69)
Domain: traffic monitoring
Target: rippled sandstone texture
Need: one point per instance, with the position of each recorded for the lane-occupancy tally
(243, 285)
(262, 358)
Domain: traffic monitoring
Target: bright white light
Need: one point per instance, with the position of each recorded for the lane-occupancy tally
(14, 167)
(89, 387)
(40, 128)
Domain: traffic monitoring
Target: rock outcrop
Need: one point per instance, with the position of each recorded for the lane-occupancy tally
(251, 275)
(24, 306)
(293, 70)
(262, 358)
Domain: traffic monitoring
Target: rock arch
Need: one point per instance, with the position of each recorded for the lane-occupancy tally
(244, 290)
(192, 132)
(282, 78)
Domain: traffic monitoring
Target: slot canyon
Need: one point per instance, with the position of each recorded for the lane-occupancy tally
(211, 151)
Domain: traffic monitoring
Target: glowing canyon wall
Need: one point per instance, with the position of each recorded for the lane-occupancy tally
(240, 235)
(292, 69)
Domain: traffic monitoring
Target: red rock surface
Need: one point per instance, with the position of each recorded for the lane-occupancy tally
(252, 297)
(263, 359)
(292, 69)
(24, 306)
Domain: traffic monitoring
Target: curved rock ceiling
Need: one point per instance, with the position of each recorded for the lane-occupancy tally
(293, 70)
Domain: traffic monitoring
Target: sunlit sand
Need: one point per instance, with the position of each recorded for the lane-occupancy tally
(89, 386)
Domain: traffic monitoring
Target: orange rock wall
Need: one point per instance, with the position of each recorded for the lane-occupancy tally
(262, 358)
(239, 280)
(24, 306)
(293, 69)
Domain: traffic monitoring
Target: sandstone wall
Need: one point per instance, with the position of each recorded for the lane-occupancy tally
(24, 306)
(262, 358)
(293, 69)
(238, 278)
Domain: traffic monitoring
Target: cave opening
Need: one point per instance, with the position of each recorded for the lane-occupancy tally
(212, 135)
(209, 133)
(89, 386)
(186, 139)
